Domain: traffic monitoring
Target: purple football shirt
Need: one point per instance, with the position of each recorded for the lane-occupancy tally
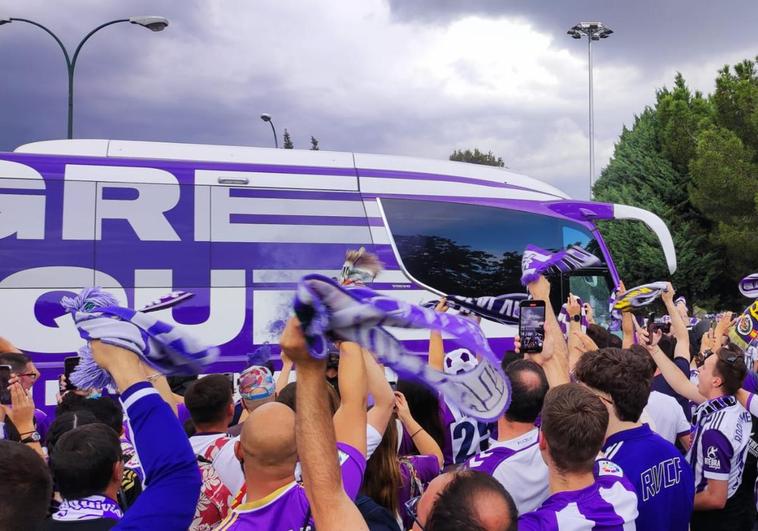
(288, 507)
(661, 477)
(608, 504)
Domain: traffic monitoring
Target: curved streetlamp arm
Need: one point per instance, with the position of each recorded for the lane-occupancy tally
(90, 34)
(276, 140)
(53, 35)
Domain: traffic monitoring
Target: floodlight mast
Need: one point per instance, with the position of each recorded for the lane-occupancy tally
(594, 31)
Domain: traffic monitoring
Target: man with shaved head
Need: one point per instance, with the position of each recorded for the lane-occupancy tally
(268, 451)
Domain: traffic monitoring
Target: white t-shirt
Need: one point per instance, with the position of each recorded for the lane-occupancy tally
(667, 417)
(226, 463)
(373, 440)
(517, 464)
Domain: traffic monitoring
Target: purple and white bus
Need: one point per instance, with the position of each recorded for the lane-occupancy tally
(238, 226)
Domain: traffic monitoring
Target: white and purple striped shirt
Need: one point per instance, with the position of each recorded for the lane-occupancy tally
(610, 503)
(517, 464)
(719, 442)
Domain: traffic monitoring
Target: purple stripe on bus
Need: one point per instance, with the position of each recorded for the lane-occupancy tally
(18, 191)
(272, 219)
(45, 161)
(418, 176)
(181, 169)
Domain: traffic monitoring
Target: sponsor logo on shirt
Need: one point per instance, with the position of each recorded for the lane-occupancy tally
(608, 468)
(711, 460)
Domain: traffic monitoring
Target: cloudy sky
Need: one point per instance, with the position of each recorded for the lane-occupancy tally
(407, 77)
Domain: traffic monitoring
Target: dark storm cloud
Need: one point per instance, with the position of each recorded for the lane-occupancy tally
(135, 84)
(656, 32)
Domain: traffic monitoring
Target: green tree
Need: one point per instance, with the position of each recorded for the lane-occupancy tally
(725, 189)
(640, 175)
(477, 157)
(314, 143)
(680, 115)
(288, 141)
(736, 101)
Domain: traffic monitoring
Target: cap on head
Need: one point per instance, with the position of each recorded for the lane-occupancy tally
(256, 383)
(459, 361)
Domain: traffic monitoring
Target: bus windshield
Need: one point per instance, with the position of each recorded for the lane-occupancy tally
(475, 250)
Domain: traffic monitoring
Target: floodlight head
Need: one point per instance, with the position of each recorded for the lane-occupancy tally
(266, 117)
(5, 20)
(151, 23)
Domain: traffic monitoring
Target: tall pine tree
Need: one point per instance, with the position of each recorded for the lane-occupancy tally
(640, 175)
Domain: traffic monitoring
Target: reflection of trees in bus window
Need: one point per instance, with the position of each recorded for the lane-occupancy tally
(474, 250)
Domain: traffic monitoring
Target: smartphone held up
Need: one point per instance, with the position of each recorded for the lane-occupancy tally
(532, 326)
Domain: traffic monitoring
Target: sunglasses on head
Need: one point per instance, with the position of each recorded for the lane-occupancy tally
(729, 356)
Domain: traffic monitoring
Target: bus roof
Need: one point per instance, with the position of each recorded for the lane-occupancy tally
(132, 149)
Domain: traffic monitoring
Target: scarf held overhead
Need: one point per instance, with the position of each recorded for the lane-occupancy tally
(745, 331)
(168, 348)
(537, 262)
(327, 310)
(502, 309)
(749, 286)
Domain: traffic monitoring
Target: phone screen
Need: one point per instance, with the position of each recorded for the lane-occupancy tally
(69, 364)
(532, 326)
(5, 376)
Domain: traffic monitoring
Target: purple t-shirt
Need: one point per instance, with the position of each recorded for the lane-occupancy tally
(661, 477)
(287, 507)
(608, 504)
(426, 468)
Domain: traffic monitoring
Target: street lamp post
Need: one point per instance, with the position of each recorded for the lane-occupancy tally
(266, 117)
(150, 22)
(594, 31)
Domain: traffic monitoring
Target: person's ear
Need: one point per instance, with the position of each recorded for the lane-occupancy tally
(230, 409)
(541, 441)
(118, 471)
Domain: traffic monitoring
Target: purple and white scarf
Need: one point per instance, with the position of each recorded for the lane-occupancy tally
(537, 262)
(502, 309)
(166, 347)
(328, 310)
(89, 508)
(564, 319)
(749, 286)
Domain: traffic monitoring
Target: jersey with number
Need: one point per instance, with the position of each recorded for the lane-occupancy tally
(660, 476)
(517, 464)
(288, 508)
(610, 503)
(719, 442)
(463, 436)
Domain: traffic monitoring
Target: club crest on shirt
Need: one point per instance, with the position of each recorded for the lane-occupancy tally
(711, 460)
(608, 468)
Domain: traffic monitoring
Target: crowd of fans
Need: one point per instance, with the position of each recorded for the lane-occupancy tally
(648, 429)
